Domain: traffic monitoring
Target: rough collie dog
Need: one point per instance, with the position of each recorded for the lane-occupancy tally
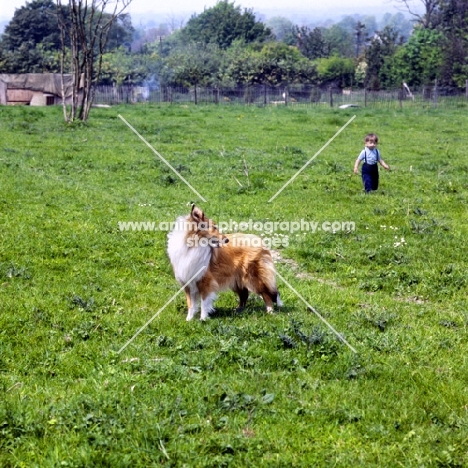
(208, 262)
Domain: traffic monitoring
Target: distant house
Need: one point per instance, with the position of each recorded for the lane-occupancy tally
(34, 89)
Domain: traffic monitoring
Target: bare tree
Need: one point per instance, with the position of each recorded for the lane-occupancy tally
(427, 16)
(175, 22)
(84, 29)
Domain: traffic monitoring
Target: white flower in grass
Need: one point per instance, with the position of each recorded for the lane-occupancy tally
(400, 242)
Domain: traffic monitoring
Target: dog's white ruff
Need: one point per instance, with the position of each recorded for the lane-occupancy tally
(186, 261)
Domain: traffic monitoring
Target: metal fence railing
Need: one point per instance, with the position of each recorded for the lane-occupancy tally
(427, 96)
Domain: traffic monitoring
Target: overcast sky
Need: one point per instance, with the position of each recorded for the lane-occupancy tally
(320, 7)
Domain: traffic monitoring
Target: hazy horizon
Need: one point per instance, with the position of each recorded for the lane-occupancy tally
(291, 8)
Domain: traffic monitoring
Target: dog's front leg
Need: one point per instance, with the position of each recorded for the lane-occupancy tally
(193, 298)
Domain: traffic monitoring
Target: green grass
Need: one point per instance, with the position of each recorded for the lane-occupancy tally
(246, 389)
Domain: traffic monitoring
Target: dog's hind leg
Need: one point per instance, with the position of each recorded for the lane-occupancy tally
(207, 306)
(243, 294)
(271, 297)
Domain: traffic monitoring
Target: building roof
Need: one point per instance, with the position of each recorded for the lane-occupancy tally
(50, 83)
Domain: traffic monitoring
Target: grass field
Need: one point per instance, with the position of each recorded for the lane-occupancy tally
(246, 389)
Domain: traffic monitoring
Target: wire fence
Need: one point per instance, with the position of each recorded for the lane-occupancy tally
(261, 95)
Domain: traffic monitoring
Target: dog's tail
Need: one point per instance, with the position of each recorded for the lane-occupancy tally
(279, 302)
(270, 279)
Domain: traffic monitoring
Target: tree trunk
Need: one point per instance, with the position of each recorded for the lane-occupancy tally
(86, 26)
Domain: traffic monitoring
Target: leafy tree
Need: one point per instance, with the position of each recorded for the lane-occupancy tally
(360, 32)
(121, 67)
(223, 24)
(348, 24)
(282, 28)
(284, 64)
(193, 64)
(382, 47)
(27, 59)
(34, 23)
(32, 38)
(336, 70)
(311, 42)
(419, 61)
(120, 33)
(339, 41)
(243, 65)
(454, 27)
(274, 64)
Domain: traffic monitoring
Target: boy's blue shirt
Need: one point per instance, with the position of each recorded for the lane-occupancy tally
(370, 156)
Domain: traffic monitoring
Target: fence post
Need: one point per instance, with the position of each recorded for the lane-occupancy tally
(435, 93)
(365, 97)
(286, 96)
(195, 97)
(265, 95)
(331, 96)
(216, 95)
(466, 89)
(170, 95)
(400, 96)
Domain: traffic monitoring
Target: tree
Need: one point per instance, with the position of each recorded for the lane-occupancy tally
(121, 67)
(336, 70)
(30, 58)
(361, 36)
(311, 43)
(85, 25)
(399, 23)
(428, 19)
(223, 24)
(339, 41)
(419, 61)
(34, 23)
(31, 40)
(382, 47)
(192, 65)
(370, 24)
(348, 23)
(454, 27)
(274, 64)
(282, 28)
(120, 33)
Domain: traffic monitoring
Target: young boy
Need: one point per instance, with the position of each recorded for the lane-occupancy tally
(371, 156)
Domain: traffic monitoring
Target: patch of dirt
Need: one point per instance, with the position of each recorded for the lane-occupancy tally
(294, 266)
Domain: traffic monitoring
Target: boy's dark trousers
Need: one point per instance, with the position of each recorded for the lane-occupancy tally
(370, 177)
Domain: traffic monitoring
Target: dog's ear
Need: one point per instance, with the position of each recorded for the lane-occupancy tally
(197, 214)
